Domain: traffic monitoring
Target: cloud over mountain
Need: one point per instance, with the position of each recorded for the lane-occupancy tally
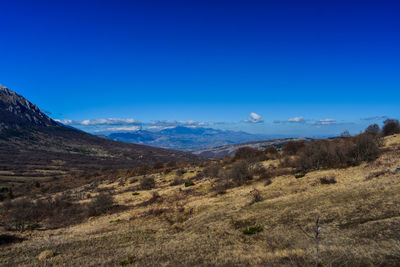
(94, 122)
(375, 118)
(99, 125)
(254, 118)
(297, 120)
(324, 122)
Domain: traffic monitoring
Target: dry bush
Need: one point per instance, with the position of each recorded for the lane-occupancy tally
(255, 196)
(158, 165)
(212, 171)
(171, 164)
(101, 204)
(180, 172)
(147, 183)
(24, 213)
(178, 180)
(345, 134)
(20, 213)
(240, 172)
(338, 153)
(373, 129)
(391, 126)
(366, 148)
(222, 185)
(248, 153)
(292, 148)
(271, 152)
(328, 180)
(257, 169)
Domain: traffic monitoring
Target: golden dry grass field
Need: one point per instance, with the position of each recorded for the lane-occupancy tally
(359, 216)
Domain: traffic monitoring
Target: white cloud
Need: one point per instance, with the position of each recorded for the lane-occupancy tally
(120, 129)
(95, 122)
(110, 121)
(325, 122)
(375, 118)
(126, 123)
(192, 123)
(297, 120)
(292, 120)
(158, 128)
(65, 121)
(254, 118)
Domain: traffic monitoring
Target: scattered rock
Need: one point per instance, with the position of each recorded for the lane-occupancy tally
(47, 254)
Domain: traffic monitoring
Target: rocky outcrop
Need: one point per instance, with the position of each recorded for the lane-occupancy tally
(16, 111)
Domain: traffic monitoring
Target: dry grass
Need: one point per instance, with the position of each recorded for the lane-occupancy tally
(194, 226)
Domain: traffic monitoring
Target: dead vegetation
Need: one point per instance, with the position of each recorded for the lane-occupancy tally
(227, 216)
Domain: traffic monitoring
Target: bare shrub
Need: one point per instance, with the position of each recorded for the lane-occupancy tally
(240, 173)
(248, 153)
(257, 169)
(345, 134)
(391, 126)
(180, 172)
(337, 153)
(171, 164)
(158, 165)
(20, 213)
(328, 180)
(271, 152)
(366, 148)
(222, 185)
(212, 171)
(178, 180)
(101, 204)
(292, 148)
(147, 183)
(256, 196)
(373, 129)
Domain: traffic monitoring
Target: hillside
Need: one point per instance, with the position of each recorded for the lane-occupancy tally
(33, 146)
(260, 223)
(229, 150)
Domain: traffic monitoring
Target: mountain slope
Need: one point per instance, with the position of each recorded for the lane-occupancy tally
(186, 138)
(16, 111)
(33, 145)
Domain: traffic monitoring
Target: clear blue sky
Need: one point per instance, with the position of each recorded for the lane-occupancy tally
(207, 61)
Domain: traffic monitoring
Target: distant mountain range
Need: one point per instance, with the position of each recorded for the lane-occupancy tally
(32, 145)
(186, 138)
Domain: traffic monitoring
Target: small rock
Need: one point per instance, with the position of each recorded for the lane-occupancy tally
(396, 171)
(46, 254)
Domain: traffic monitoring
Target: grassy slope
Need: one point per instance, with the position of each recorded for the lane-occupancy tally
(360, 217)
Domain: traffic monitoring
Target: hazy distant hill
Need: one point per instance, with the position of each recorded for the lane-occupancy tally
(33, 145)
(186, 138)
(229, 150)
